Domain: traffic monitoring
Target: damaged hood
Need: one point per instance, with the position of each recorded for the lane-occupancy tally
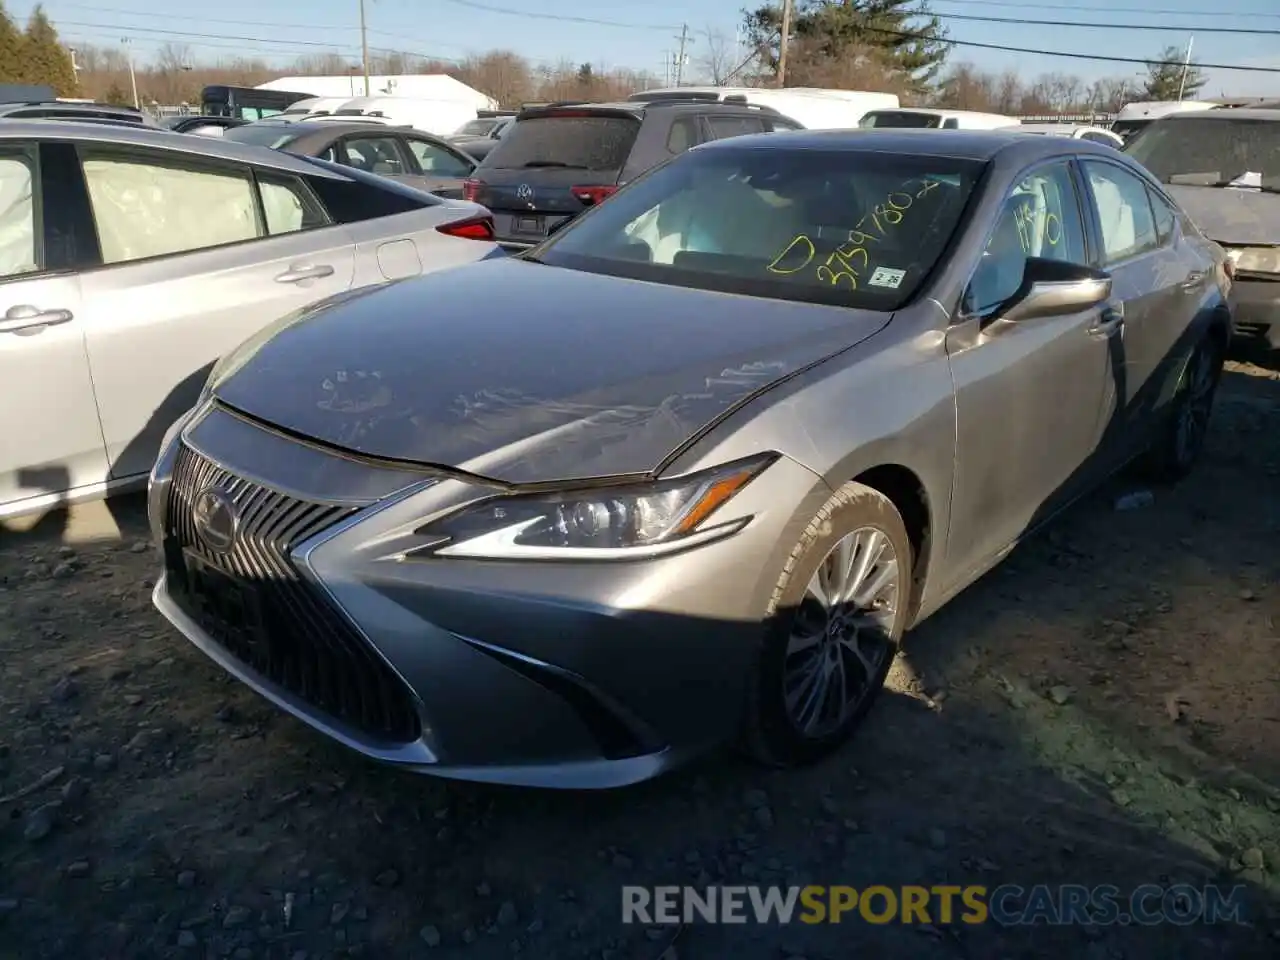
(1230, 216)
(523, 372)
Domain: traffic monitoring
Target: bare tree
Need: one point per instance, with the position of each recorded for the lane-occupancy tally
(717, 60)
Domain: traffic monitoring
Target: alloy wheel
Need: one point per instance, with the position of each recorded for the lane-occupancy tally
(1197, 404)
(842, 632)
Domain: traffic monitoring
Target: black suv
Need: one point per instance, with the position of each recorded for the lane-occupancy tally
(19, 102)
(557, 159)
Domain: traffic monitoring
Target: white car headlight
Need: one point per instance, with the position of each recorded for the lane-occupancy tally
(600, 523)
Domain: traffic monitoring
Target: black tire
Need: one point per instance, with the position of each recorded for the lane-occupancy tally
(1170, 458)
(770, 735)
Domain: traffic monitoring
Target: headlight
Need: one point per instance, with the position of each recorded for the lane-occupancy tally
(603, 523)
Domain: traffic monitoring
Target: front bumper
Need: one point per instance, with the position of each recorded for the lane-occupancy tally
(538, 674)
(1255, 305)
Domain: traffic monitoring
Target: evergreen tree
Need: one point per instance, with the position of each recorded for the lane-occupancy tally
(47, 60)
(1164, 77)
(12, 52)
(905, 35)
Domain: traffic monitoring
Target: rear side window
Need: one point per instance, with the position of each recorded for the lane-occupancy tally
(723, 127)
(350, 201)
(574, 141)
(1165, 217)
(288, 205)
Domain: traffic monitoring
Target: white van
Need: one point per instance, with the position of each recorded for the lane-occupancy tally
(1135, 116)
(814, 108)
(929, 119)
(312, 106)
(440, 117)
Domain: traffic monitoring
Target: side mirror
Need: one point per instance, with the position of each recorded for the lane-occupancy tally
(1052, 288)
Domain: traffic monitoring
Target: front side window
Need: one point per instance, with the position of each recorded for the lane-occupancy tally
(1040, 218)
(144, 208)
(722, 127)
(436, 160)
(1124, 212)
(17, 214)
(842, 227)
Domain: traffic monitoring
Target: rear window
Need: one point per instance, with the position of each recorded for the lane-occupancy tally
(477, 128)
(1204, 152)
(254, 135)
(900, 119)
(849, 228)
(572, 141)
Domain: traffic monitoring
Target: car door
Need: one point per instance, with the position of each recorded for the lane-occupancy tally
(1150, 282)
(441, 169)
(1027, 394)
(50, 441)
(196, 255)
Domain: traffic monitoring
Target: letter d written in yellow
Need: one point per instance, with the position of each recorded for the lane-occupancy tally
(813, 902)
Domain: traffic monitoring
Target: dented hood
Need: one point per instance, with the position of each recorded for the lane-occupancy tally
(1229, 216)
(523, 372)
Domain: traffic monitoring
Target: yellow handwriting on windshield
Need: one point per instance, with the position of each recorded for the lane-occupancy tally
(843, 266)
(806, 246)
(1048, 232)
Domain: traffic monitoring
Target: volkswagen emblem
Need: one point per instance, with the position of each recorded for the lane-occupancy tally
(524, 192)
(215, 518)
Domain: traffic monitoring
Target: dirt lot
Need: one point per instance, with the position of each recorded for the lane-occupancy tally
(1104, 708)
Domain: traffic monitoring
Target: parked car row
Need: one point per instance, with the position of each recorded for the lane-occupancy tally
(578, 446)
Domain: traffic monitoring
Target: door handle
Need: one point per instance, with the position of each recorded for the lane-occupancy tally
(301, 272)
(1193, 282)
(1109, 322)
(28, 318)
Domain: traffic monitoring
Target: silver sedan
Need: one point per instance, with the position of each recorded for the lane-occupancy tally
(131, 259)
(713, 448)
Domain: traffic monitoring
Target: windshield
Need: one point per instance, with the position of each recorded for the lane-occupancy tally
(251, 133)
(573, 140)
(842, 227)
(476, 128)
(900, 118)
(1204, 152)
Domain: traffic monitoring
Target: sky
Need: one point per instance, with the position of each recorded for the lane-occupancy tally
(645, 36)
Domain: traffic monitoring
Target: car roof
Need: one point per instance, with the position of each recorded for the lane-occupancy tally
(338, 127)
(159, 138)
(1227, 113)
(956, 144)
(639, 107)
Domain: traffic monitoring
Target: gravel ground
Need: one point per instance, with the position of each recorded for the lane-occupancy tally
(1103, 708)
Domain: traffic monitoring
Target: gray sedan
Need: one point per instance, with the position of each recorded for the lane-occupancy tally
(132, 258)
(715, 446)
(402, 153)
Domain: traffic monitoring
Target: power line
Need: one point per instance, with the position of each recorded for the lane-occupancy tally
(1163, 28)
(1138, 61)
(81, 42)
(315, 45)
(561, 18)
(1108, 8)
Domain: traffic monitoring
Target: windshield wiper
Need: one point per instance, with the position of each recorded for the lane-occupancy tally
(553, 163)
(1183, 180)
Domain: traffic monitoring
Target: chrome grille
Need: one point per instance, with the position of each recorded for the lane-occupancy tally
(255, 604)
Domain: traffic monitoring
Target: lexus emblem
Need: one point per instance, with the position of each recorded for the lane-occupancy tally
(524, 192)
(216, 519)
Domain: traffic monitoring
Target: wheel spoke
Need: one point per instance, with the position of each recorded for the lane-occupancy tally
(841, 633)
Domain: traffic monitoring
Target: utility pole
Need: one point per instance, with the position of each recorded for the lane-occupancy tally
(782, 42)
(133, 77)
(364, 48)
(1186, 65)
(684, 39)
